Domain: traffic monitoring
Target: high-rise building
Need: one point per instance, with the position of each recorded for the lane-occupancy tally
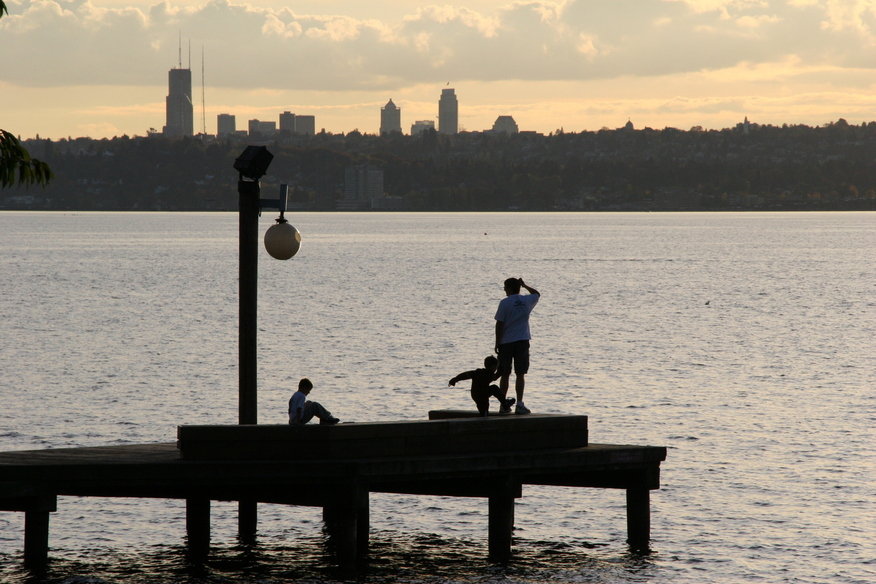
(287, 123)
(390, 119)
(226, 125)
(178, 105)
(305, 125)
(448, 112)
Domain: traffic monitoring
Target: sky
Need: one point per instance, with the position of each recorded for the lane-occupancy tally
(99, 68)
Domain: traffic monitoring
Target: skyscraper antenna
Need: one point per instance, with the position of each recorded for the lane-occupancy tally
(203, 97)
(190, 54)
(179, 49)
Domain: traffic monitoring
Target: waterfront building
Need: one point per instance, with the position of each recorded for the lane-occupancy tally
(363, 183)
(390, 119)
(179, 112)
(448, 112)
(505, 125)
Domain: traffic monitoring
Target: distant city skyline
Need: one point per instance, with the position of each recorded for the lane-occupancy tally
(179, 114)
(97, 68)
(390, 120)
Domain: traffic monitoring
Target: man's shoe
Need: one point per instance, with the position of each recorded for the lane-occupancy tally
(330, 421)
(521, 409)
(505, 408)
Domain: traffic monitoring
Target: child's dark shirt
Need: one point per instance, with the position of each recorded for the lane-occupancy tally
(480, 380)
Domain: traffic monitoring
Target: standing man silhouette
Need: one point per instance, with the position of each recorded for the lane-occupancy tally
(512, 337)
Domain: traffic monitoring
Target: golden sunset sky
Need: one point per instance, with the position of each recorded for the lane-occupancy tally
(99, 68)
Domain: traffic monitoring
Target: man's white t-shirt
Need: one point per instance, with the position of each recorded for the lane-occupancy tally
(514, 312)
(296, 403)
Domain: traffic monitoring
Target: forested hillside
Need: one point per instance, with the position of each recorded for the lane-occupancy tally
(756, 167)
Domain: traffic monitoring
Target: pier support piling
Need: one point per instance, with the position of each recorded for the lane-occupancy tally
(198, 527)
(36, 538)
(247, 521)
(639, 518)
(363, 521)
(501, 520)
(347, 520)
(36, 527)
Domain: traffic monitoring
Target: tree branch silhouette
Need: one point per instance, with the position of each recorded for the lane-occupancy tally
(16, 164)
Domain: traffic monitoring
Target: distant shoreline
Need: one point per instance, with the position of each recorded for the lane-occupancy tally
(757, 168)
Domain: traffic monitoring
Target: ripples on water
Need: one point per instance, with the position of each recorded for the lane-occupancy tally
(743, 342)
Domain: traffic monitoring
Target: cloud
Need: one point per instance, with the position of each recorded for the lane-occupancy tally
(855, 15)
(75, 42)
(550, 63)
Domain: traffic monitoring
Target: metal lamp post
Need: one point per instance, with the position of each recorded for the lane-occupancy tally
(283, 244)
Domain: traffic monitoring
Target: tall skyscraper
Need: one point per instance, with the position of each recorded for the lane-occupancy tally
(448, 112)
(390, 119)
(178, 105)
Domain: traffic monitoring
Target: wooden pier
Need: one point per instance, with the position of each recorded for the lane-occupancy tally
(336, 467)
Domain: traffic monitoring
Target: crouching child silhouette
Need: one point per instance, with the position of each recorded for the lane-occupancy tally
(481, 390)
(302, 411)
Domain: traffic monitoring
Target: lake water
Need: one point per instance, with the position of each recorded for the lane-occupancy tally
(742, 342)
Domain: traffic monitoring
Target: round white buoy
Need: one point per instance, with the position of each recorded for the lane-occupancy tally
(282, 241)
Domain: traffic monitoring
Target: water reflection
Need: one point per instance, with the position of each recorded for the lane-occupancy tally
(393, 558)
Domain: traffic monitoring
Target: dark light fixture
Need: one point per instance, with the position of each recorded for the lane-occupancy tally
(253, 162)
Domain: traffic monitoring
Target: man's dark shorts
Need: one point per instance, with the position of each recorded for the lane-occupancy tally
(518, 351)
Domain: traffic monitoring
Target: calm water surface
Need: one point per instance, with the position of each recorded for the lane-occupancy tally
(743, 342)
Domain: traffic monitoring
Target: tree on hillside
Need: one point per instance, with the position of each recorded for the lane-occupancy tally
(16, 165)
